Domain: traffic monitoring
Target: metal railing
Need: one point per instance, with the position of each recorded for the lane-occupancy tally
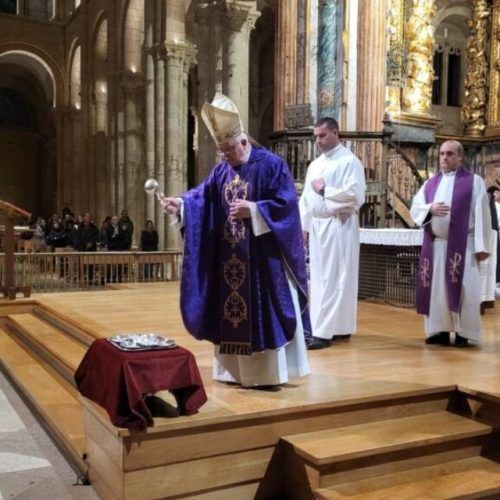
(74, 271)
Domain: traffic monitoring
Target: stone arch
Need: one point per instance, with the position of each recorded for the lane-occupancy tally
(40, 64)
(133, 36)
(28, 134)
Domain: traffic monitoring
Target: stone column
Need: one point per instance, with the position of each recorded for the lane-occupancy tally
(149, 95)
(239, 20)
(159, 139)
(285, 66)
(493, 127)
(417, 94)
(132, 85)
(76, 163)
(327, 61)
(476, 80)
(208, 41)
(177, 58)
(101, 154)
(371, 65)
(64, 139)
(91, 170)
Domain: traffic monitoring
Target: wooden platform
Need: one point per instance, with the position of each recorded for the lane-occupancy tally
(382, 405)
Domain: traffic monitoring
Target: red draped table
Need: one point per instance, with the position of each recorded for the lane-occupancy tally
(120, 380)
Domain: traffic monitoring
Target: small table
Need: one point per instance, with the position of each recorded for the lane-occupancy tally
(120, 380)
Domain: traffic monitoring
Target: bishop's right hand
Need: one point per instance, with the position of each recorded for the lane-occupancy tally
(170, 205)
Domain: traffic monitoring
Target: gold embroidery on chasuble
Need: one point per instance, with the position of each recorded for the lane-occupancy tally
(235, 308)
(235, 269)
(234, 229)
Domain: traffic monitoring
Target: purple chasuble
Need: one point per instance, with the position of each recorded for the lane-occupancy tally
(456, 243)
(234, 287)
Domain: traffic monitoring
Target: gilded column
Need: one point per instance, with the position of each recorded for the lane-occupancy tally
(285, 67)
(395, 55)
(493, 127)
(476, 80)
(417, 93)
(239, 20)
(371, 65)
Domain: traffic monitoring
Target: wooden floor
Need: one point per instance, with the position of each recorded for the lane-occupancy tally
(388, 354)
(381, 410)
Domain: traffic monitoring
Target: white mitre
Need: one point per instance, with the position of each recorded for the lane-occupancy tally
(222, 118)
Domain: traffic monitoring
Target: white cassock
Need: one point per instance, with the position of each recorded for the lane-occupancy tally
(271, 367)
(332, 223)
(440, 319)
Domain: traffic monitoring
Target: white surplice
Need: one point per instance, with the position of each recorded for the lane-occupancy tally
(270, 367)
(332, 223)
(440, 319)
(488, 270)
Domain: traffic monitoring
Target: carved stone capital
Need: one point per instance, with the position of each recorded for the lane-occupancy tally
(240, 17)
(179, 55)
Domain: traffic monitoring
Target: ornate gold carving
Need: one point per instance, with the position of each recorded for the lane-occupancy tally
(494, 93)
(234, 229)
(395, 56)
(235, 308)
(417, 93)
(476, 92)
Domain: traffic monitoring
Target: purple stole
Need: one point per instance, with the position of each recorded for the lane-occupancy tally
(457, 242)
(236, 331)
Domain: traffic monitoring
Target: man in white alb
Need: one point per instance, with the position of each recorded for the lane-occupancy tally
(453, 208)
(334, 191)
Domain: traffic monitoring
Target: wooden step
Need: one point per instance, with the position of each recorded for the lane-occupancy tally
(474, 477)
(61, 351)
(52, 398)
(71, 327)
(356, 441)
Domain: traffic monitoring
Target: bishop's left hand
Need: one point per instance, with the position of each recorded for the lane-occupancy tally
(240, 209)
(318, 185)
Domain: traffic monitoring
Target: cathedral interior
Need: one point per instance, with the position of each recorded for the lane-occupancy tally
(96, 97)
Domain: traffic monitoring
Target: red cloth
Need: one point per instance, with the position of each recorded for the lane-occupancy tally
(118, 381)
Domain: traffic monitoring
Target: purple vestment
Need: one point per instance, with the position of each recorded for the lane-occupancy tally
(234, 288)
(456, 245)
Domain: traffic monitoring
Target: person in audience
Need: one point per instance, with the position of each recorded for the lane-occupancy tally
(149, 243)
(127, 227)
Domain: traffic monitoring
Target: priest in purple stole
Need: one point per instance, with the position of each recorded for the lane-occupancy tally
(452, 207)
(243, 283)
